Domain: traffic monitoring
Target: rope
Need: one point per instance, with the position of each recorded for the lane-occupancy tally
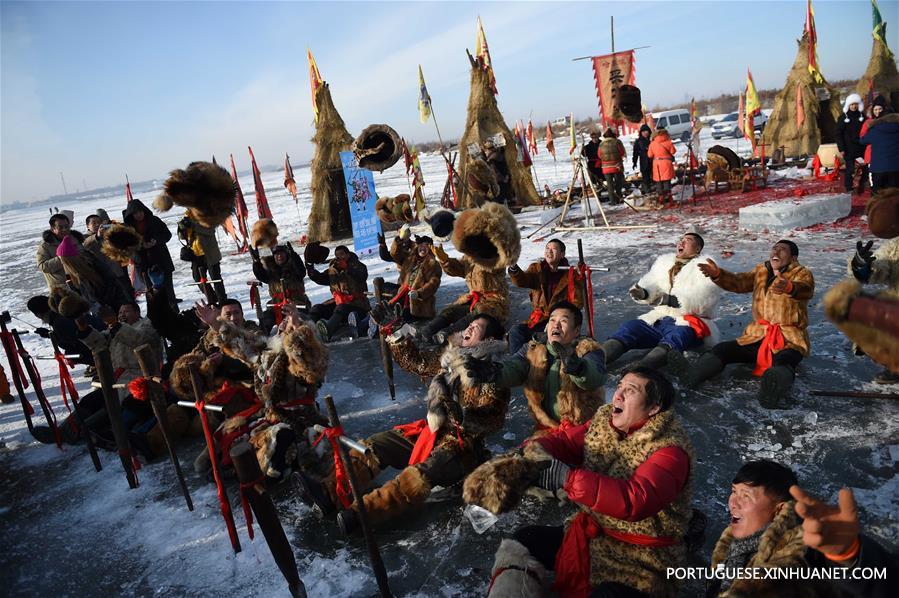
(342, 482)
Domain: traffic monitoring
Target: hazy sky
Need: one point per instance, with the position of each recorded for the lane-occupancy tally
(98, 89)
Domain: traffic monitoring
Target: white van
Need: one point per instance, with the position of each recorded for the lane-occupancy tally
(676, 122)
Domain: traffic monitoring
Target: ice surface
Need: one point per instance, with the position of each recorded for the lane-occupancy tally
(786, 215)
(72, 532)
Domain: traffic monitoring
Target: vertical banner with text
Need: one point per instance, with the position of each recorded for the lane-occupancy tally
(360, 192)
(610, 72)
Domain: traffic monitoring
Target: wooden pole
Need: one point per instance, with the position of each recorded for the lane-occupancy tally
(36, 386)
(253, 491)
(386, 357)
(79, 416)
(225, 505)
(854, 394)
(10, 349)
(374, 555)
(149, 369)
(103, 363)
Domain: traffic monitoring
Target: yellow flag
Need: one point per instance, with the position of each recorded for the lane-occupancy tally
(753, 107)
(572, 140)
(482, 53)
(424, 99)
(315, 81)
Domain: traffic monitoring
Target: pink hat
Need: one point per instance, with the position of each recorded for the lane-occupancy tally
(68, 247)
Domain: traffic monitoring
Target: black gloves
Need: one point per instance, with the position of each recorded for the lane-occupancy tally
(383, 313)
(514, 269)
(254, 253)
(638, 293)
(554, 477)
(666, 299)
(42, 332)
(861, 262)
(381, 239)
(481, 371)
(571, 363)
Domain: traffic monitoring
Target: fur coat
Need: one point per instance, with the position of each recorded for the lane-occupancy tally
(488, 290)
(605, 452)
(349, 281)
(575, 405)
(780, 546)
(536, 277)
(483, 405)
(127, 338)
(419, 274)
(47, 262)
(788, 310)
(695, 292)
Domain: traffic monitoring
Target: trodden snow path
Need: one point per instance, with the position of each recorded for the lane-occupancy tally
(70, 531)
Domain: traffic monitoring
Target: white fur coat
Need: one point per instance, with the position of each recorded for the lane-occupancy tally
(697, 294)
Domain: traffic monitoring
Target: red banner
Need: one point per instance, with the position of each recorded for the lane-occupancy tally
(240, 204)
(610, 72)
(261, 201)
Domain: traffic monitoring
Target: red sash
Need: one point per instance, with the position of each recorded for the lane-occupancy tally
(573, 559)
(475, 297)
(424, 443)
(401, 296)
(698, 325)
(343, 298)
(773, 341)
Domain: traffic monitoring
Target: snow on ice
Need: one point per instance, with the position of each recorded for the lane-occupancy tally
(71, 532)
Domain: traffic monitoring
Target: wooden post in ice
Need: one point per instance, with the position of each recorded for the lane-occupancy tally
(103, 363)
(155, 397)
(252, 488)
(374, 555)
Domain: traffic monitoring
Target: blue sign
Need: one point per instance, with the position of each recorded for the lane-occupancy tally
(360, 191)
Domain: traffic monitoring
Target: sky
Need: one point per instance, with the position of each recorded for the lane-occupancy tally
(96, 90)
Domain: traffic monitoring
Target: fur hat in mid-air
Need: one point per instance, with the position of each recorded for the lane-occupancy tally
(120, 243)
(264, 233)
(204, 188)
(489, 235)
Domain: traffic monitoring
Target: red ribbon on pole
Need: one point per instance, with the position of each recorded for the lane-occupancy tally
(247, 511)
(66, 384)
(342, 482)
(584, 270)
(223, 503)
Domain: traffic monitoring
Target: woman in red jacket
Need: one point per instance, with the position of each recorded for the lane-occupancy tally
(662, 151)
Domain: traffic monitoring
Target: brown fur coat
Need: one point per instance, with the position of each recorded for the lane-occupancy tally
(790, 311)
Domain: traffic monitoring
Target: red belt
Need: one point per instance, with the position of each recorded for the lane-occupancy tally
(475, 297)
(773, 341)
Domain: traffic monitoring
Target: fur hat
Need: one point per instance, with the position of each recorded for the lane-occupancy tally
(103, 216)
(308, 357)
(316, 253)
(67, 303)
(180, 381)
(516, 572)
(204, 188)
(264, 233)
(883, 213)
(489, 235)
(238, 342)
(442, 223)
(120, 243)
(68, 247)
(499, 484)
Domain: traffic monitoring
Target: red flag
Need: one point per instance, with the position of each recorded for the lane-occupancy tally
(408, 159)
(800, 111)
(240, 204)
(128, 195)
(289, 181)
(532, 143)
(261, 201)
(522, 146)
(550, 144)
(610, 72)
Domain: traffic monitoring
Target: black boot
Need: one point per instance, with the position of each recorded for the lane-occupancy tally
(613, 349)
(886, 377)
(348, 521)
(656, 358)
(692, 375)
(775, 388)
(312, 493)
(428, 331)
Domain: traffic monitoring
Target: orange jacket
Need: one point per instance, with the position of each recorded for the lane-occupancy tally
(662, 151)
